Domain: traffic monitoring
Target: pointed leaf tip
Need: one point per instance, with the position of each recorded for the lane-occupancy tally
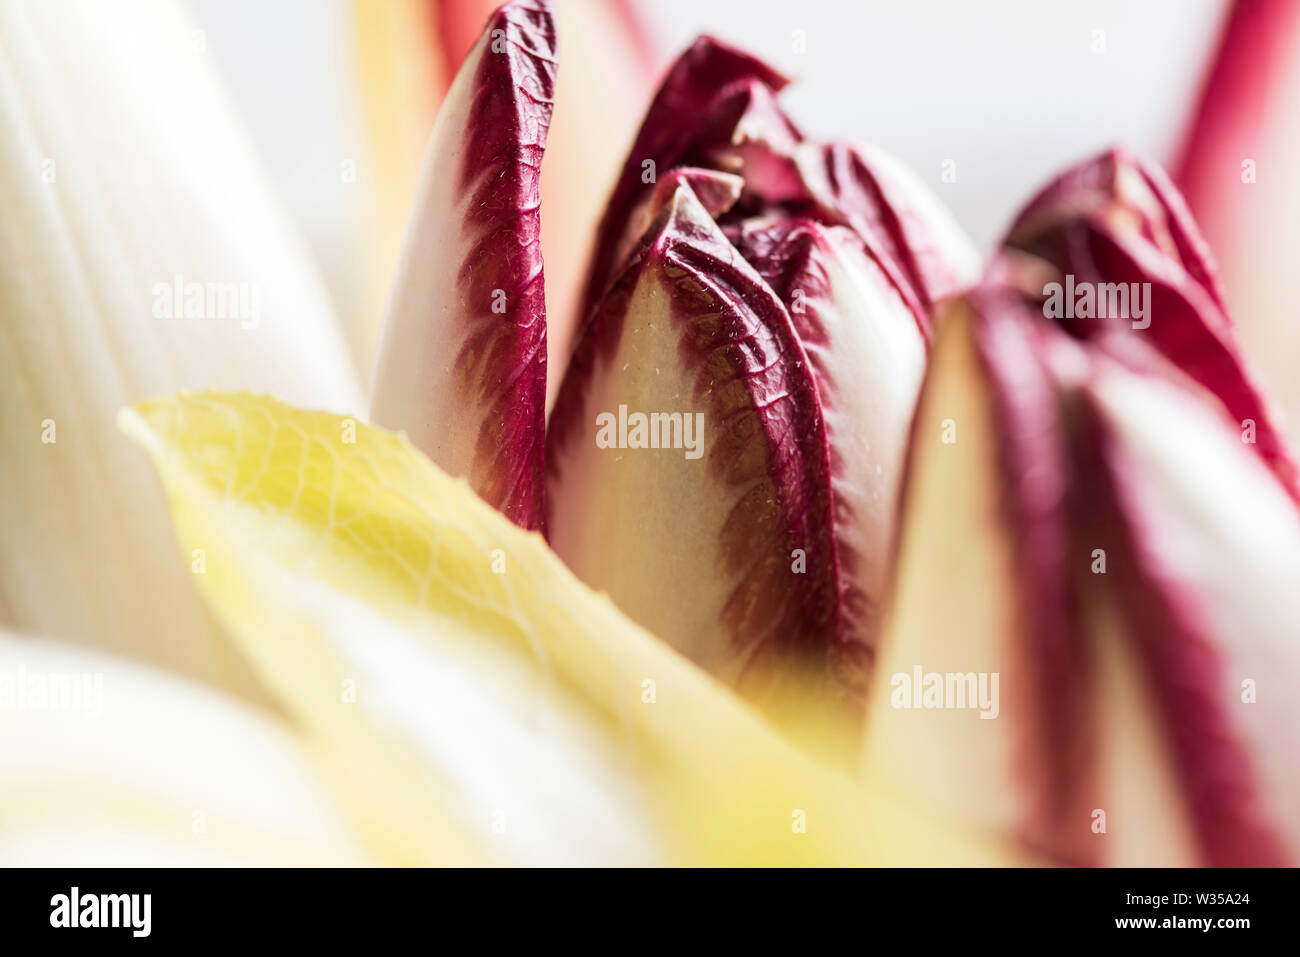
(462, 365)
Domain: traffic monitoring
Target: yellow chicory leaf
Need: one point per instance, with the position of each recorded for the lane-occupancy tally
(475, 702)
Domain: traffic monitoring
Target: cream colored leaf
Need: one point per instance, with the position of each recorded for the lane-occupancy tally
(108, 763)
(141, 251)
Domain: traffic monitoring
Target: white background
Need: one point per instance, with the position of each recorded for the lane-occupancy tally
(1012, 90)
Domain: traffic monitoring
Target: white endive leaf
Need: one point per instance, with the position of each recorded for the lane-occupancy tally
(140, 251)
(953, 606)
(1217, 542)
(107, 763)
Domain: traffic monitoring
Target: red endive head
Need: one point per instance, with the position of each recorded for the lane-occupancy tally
(1131, 271)
(724, 454)
(1100, 545)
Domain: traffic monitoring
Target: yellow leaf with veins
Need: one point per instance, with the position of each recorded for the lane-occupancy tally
(475, 702)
